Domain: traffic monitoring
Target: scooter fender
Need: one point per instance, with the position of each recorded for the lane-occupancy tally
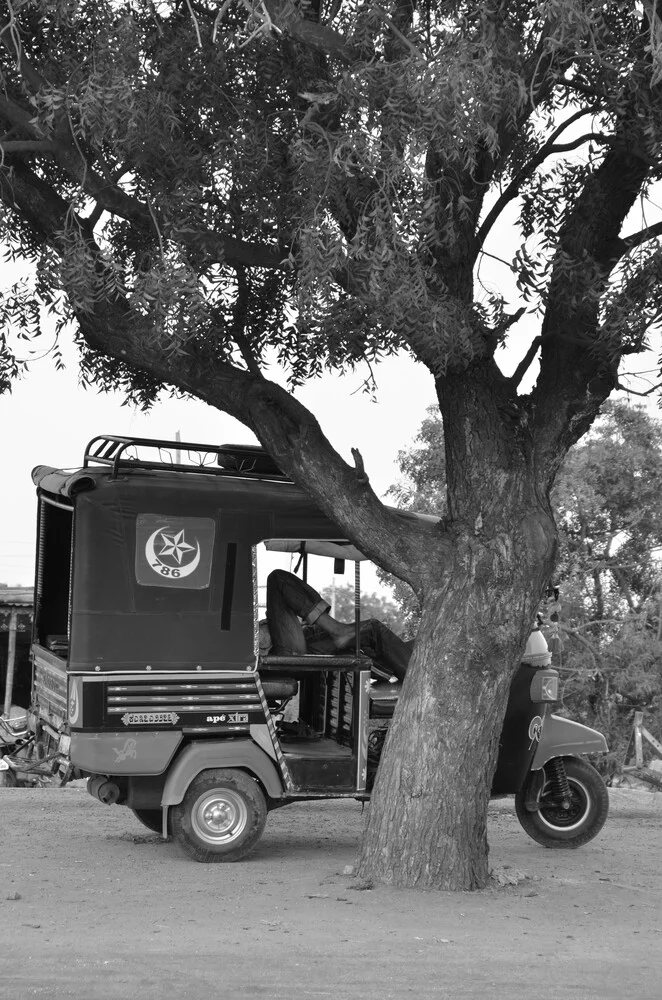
(565, 738)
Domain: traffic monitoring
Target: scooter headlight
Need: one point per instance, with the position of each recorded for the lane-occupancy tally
(545, 686)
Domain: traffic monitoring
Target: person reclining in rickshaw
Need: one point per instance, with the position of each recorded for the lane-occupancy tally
(291, 601)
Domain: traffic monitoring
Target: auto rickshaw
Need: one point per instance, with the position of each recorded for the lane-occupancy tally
(148, 679)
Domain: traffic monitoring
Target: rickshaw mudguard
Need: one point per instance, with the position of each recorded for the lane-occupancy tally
(200, 756)
(564, 738)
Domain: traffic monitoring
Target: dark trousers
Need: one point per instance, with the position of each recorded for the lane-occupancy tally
(289, 599)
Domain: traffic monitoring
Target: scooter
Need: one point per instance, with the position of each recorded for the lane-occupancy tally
(563, 801)
(560, 799)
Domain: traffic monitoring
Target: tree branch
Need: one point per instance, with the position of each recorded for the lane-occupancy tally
(26, 146)
(17, 115)
(636, 239)
(581, 640)
(513, 189)
(525, 363)
(639, 392)
(406, 44)
(574, 381)
(312, 34)
(538, 77)
(361, 474)
(240, 311)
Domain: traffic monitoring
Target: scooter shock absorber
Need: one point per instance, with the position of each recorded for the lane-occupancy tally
(559, 789)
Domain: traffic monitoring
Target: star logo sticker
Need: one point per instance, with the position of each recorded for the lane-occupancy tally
(177, 552)
(174, 545)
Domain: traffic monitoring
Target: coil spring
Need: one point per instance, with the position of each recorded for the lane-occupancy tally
(558, 779)
(376, 745)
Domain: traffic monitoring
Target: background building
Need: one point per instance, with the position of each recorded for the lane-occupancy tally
(16, 607)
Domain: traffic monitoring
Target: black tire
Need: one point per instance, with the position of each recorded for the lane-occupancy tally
(151, 818)
(221, 817)
(553, 826)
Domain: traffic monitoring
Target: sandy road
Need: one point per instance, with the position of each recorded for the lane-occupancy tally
(97, 908)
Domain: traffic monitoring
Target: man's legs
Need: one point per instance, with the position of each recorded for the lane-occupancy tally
(387, 649)
(288, 600)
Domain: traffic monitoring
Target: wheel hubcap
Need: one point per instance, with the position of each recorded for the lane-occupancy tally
(219, 816)
(556, 816)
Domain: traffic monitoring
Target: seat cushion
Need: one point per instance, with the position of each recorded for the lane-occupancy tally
(279, 687)
(383, 699)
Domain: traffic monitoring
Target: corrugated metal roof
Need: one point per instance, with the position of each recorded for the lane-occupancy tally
(23, 596)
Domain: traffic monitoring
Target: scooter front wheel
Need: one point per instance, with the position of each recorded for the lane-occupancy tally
(571, 824)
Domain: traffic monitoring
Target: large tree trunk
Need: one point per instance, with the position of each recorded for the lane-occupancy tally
(428, 814)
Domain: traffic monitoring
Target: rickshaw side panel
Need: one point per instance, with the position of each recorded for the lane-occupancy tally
(126, 615)
(49, 687)
(189, 702)
(124, 753)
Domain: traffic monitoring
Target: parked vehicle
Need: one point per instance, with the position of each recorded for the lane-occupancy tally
(148, 679)
(14, 736)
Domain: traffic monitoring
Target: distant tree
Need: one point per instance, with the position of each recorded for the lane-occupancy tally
(422, 488)
(608, 503)
(372, 606)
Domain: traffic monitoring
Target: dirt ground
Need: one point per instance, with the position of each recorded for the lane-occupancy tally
(97, 908)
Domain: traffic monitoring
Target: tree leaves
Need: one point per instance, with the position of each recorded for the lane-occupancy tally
(358, 153)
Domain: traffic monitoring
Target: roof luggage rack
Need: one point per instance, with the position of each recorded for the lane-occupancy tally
(236, 460)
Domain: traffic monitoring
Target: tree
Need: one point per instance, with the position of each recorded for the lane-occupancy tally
(608, 499)
(204, 189)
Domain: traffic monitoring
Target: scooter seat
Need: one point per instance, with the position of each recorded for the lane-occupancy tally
(383, 699)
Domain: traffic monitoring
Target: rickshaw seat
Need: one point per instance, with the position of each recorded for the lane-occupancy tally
(311, 662)
(279, 687)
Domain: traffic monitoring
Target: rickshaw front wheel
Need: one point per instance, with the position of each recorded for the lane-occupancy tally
(570, 825)
(221, 817)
